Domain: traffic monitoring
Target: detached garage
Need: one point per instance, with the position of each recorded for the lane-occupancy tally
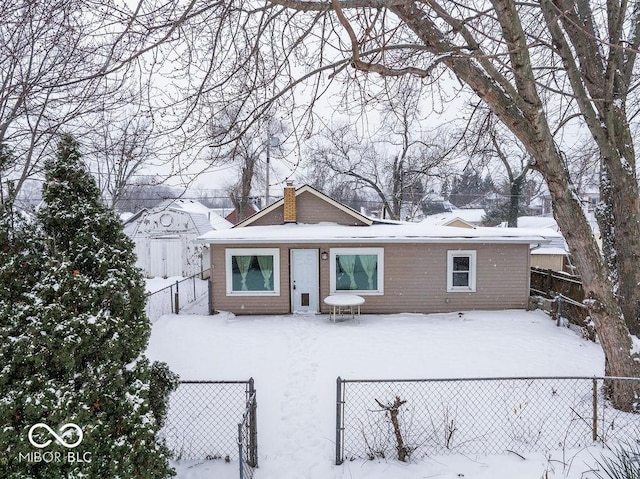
(164, 237)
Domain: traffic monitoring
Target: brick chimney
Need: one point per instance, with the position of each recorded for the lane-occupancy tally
(289, 203)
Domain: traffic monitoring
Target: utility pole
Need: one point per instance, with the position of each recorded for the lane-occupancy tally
(272, 141)
(266, 195)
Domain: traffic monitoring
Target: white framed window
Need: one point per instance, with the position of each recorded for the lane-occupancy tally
(253, 271)
(357, 270)
(461, 271)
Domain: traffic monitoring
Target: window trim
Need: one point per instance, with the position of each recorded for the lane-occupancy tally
(231, 252)
(379, 252)
(473, 266)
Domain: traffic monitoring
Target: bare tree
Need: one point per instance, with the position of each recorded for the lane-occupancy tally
(486, 142)
(65, 62)
(248, 151)
(246, 156)
(119, 147)
(395, 162)
(145, 192)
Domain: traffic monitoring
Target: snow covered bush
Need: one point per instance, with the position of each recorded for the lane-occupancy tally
(75, 383)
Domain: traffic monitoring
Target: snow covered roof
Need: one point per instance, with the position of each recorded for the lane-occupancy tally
(376, 233)
(537, 222)
(125, 215)
(549, 250)
(196, 210)
(547, 227)
(472, 215)
(218, 222)
(200, 221)
(190, 206)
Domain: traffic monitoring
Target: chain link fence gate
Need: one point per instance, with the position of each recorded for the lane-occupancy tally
(418, 418)
(248, 439)
(204, 420)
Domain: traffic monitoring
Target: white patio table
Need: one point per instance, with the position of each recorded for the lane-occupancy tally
(342, 302)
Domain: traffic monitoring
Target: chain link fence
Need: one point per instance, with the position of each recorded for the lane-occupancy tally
(174, 297)
(204, 420)
(418, 418)
(248, 439)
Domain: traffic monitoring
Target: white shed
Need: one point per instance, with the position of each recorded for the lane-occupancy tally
(164, 237)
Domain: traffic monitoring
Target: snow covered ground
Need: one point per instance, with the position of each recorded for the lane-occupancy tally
(295, 360)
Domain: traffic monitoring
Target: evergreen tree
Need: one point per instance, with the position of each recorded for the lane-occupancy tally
(76, 341)
(469, 187)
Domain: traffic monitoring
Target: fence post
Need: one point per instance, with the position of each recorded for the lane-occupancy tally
(339, 422)
(253, 426)
(594, 428)
(177, 299)
(240, 441)
(171, 299)
(559, 310)
(210, 296)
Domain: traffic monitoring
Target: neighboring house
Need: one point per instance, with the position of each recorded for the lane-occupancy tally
(461, 217)
(233, 217)
(292, 254)
(458, 218)
(554, 254)
(164, 237)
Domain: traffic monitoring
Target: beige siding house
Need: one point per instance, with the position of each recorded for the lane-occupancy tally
(305, 247)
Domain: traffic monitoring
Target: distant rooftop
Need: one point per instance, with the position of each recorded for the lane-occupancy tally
(470, 215)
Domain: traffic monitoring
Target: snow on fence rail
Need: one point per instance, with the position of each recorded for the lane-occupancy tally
(418, 418)
(172, 298)
(214, 420)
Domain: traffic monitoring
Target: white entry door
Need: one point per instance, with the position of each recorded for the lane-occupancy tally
(304, 280)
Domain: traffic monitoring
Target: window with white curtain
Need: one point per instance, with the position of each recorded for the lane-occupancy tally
(357, 270)
(253, 271)
(461, 271)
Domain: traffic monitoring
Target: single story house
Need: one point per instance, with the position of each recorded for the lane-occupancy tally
(164, 237)
(291, 255)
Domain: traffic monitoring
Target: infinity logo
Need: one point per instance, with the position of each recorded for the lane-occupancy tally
(59, 438)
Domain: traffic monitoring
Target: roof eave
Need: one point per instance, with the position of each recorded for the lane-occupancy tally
(355, 240)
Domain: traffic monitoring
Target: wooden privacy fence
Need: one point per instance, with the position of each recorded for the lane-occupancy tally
(549, 283)
(562, 296)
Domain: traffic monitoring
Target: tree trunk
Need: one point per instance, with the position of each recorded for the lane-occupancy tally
(601, 81)
(515, 193)
(619, 219)
(241, 194)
